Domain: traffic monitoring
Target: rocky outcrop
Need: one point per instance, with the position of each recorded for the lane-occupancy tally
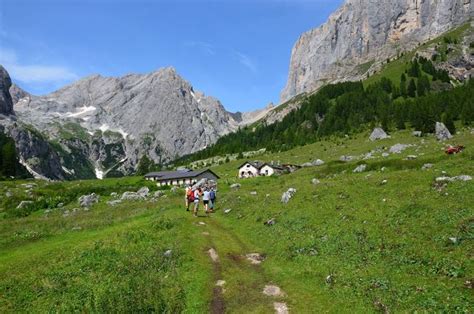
(362, 32)
(6, 103)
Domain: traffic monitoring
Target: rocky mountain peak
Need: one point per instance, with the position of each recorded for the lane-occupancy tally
(364, 31)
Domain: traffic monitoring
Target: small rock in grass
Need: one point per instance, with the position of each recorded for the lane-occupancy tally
(330, 279)
(158, 194)
(454, 240)
(469, 284)
(88, 200)
(24, 204)
(398, 148)
(76, 229)
(114, 202)
(213, 255)
(280, 308)
(114, 194)
(273, 291)
(202, 223)
(255, 258)
(463, 178)
(427, 166)
(384, 182)
(385, 155)
(253, 193)
(383, 169)
(167, 253)
(235, 186)
(318, 162)
(270, 222)
(360, 168)
(411, 157)
(220, 283)
(346, 158)
(315, 181)
(288, 195)
(417, 133)
(228, 210)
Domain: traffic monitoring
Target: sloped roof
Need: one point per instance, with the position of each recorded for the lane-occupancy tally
(259, 165)
(180, 174)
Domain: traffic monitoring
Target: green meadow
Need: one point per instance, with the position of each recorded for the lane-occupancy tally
(389, 239)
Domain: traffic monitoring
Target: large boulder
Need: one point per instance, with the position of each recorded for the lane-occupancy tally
(442, 132)
(285, 198)
(378, 134)
(132, 196)
(88, 200)
(144, 191)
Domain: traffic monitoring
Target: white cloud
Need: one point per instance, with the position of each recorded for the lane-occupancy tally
(29, 73)
(246, 61)
(205, 47)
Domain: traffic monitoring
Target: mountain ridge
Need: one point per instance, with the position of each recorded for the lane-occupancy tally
(363, 31)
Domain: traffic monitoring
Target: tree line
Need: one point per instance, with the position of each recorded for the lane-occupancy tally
(337, 109)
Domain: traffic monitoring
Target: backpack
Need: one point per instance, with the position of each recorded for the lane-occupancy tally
(212, 195)
(190, 195)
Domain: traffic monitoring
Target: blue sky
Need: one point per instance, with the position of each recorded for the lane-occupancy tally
(235, 50)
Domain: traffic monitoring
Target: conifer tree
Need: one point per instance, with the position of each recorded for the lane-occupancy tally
(411, 90)
(403, 85)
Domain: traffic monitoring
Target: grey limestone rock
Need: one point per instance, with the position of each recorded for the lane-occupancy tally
(88, 200)
(442, 132)
(378, 134)
(367, 32)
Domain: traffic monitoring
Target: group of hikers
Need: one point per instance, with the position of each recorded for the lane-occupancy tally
(195, 195)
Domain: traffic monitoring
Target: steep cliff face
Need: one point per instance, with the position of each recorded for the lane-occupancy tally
(6, 103)
(104, 124)
(363, 32)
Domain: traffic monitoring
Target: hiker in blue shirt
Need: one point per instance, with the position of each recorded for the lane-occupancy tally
(212, 197)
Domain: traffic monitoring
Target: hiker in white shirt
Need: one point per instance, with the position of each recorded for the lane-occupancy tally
(206, 197)
(197, 195)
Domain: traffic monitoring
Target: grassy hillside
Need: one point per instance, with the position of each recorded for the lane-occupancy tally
(388, 239)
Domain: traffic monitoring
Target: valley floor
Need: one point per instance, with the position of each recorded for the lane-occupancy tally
(391, 238)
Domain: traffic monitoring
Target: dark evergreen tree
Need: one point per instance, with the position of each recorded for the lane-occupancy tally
(144, 165)
(411, 90)
(403, 85)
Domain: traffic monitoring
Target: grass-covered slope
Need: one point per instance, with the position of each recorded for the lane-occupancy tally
(388, 239)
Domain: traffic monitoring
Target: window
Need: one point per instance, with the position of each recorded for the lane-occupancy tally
(266, 172)
(242, 173)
